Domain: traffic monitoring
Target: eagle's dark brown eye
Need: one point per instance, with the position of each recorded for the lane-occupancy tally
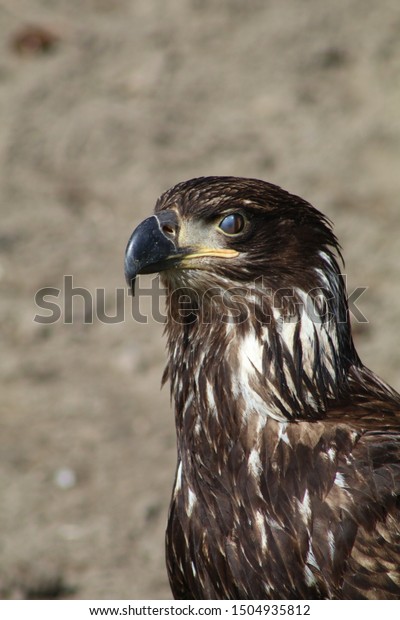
(232, 224)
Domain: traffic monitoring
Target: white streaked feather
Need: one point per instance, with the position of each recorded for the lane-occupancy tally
(260, 523)
(331, 454)
(340, 481)
(192, 499)
(249, 363)
(178, 482)
(331, 544)
(308, 576)
(310, 559)
(254, 463)
(282, 433)
(305, 507)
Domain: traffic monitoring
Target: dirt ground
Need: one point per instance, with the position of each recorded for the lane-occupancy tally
(113, 103)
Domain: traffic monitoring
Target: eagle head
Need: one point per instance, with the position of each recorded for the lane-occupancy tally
(236, 230)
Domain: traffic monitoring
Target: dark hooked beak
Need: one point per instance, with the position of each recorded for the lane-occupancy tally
(152, 246)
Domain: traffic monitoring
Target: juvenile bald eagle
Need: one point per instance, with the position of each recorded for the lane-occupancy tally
(288, 475)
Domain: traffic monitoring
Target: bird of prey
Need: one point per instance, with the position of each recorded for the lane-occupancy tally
(288, 472)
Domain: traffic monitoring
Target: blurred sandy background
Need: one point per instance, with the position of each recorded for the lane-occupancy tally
(122, 100)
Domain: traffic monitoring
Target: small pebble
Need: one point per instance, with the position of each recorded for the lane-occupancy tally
(34, 40)
(65, 478)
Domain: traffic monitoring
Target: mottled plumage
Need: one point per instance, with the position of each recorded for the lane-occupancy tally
(288, 475)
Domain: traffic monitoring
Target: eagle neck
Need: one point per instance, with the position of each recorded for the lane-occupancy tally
(284, 367)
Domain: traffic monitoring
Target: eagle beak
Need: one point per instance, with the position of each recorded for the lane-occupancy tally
(154, 247)
(151, 247)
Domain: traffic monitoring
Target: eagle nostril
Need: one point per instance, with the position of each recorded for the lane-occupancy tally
(168, 224)
(168, 230)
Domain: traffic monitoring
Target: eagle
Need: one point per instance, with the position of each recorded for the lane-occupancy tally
(287, 483)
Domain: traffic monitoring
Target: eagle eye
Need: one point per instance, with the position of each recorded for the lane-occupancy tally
(232, 224)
